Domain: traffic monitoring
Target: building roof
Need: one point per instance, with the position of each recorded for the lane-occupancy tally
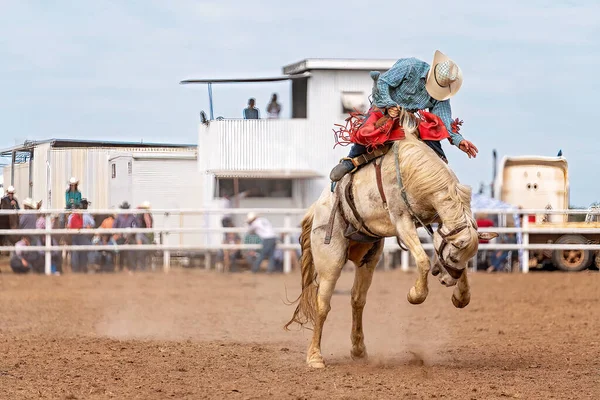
(337, 64)
(71, 143)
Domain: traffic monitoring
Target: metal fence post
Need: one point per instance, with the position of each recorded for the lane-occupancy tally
(404, 260)
(166, 252)
(48, 252)
(525, 257)
(287, 255)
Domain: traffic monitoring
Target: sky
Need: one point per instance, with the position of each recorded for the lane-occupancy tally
(110, 69)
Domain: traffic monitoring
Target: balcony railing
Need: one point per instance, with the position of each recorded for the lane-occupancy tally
(260, 145)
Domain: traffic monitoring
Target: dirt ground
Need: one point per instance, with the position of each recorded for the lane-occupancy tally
(197, 334)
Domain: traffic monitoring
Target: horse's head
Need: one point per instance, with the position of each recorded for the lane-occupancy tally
(454, 249)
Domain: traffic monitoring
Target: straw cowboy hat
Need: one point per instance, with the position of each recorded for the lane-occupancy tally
(11, 190)
(444, 78)
(251, 217)
(29, 203)
(145, 205)
(73, 181)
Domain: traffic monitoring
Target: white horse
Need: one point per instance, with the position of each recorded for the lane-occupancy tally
(432, 193)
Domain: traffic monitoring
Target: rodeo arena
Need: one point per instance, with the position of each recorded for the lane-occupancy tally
(265, 262)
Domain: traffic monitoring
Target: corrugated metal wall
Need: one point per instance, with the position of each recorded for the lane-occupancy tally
(21, 182)
(171, 183)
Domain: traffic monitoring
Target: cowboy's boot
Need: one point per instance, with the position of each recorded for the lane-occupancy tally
(340, 170)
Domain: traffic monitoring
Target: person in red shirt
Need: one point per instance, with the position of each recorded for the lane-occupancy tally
(484, 222)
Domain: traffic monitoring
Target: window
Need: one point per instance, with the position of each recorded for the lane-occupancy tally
(114, 170)
(255, 187)
(353, 101)
(129, 167)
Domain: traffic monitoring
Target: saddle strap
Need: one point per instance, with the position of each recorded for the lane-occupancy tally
(350, 201)
(380, 182)
(334, 210)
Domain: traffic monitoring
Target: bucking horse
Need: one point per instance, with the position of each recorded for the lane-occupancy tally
(408, 187)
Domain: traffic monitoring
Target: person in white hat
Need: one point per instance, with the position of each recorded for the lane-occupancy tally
(411, 85)
(9, 202)
(263, 228)
(73, 195)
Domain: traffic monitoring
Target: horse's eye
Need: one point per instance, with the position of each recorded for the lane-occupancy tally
(454, 260)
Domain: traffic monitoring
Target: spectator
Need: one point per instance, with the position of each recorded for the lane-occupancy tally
(144, 221)
(24, 261)
(10, 202)
(263, 228)
(273, 108)
(230, 257)
(105, 258)
(483, 221)
(227, 220)
(251, 112)
(498, 258)
(121, 222)
(29, 221)
(251, 255)
(72, 195)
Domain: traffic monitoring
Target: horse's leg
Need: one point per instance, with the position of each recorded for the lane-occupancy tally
(461, 296)
(407, 232)
(329, 259)
(365, 256)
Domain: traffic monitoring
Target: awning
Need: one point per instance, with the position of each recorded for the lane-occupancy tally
(267, 174)
(247, 80)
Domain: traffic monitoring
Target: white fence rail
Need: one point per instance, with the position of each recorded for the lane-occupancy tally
(287, 231)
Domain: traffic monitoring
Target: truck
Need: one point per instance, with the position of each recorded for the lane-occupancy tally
(538, 182)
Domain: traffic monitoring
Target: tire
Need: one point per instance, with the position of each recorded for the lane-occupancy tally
(572, 260)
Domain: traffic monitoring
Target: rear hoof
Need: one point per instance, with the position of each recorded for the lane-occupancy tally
(359, 355)
(461, 303)
(414, 298)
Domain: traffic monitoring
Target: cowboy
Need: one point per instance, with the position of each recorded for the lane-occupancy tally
(28, 221)
(9, 202)
(411, 85)
(72, 195)
(263, 228)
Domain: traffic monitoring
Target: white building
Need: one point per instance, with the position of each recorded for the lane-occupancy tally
(293, 155)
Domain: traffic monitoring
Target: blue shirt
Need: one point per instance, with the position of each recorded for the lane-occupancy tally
(404, 85)
(251, 113)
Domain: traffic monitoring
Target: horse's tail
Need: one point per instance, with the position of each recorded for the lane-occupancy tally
(307, 301)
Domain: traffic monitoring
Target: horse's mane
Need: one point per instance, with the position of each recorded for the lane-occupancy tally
(424, 174)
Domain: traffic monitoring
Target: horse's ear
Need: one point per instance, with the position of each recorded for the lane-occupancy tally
(487, 235)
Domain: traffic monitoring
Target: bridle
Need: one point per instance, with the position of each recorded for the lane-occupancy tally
(454, 272)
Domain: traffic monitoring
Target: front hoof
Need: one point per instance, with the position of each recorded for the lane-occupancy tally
(414, 297)
(461, 303)
(316, 362)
